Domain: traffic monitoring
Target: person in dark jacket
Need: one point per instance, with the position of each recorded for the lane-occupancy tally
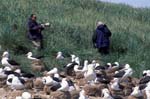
(35, 31)
(101, 38)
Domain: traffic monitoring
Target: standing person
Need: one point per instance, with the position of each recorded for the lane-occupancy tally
(101, 38)
(35, 31)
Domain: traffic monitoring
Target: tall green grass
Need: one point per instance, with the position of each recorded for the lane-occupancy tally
(72, 24)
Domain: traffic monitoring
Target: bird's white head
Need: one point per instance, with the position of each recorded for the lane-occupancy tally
(117, 63)
(109, 64)
(59, 53)
(115, 79)
(77, 60)
(93, 61)
(47, 80)
(18, 71)
(127, 66)
(5, 54)
(29, 54)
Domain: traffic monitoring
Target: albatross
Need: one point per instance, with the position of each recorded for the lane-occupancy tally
(82, 95)
(17, 83)
(83, 70)
(64, 85)
(59, 55)
(127, 71)
(53, 71)
(90, 74)
(34, 58)
(7, 62)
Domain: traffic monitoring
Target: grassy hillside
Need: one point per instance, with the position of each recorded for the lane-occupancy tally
(72, 24)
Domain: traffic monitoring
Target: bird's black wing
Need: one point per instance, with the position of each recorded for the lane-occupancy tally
(28, 75)
(22, 80)
(144, 80)
(55, 87)
(119, 74)
(56, 79)
(12, 62)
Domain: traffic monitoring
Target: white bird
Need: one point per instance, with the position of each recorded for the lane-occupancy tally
(56, 75)
(146, 73)
(53, 71)
(34, 58)
(115, 84)
(74, 60)
(7, 62)
(64, 85)
(85, 67)
(59, 55)
(128, 71)
(109, 65)
(82, 95)
(136, 92)
(90, 75)
(115, 64)
(5, 54)
(73, 57)
(106, 94)
(17, 83)
(49, 81)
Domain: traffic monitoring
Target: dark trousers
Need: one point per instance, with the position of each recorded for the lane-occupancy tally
(103, 50)
(41, 44)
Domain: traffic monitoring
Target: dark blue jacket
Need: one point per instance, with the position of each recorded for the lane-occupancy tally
(34, 30)
(101, 36)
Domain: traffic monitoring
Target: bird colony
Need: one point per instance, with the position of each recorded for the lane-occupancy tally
(89, 80)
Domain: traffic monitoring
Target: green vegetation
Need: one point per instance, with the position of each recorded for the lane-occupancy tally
(72, 24)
